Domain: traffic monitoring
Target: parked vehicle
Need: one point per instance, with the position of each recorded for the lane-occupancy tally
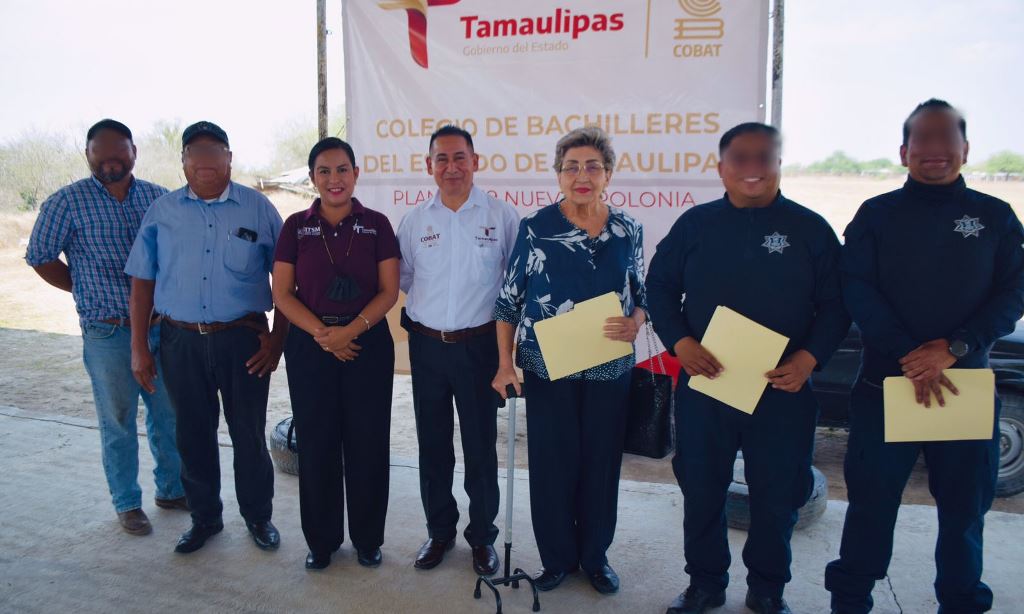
(832, 386)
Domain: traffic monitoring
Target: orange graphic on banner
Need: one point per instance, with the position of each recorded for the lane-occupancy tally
(703, 27)
(700, 8)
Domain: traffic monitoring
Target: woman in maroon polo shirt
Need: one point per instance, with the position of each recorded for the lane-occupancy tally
(335, 278)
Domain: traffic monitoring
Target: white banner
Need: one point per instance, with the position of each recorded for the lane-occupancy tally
(665, 78)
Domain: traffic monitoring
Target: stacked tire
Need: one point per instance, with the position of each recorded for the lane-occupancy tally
(284, 449)
(737, 502)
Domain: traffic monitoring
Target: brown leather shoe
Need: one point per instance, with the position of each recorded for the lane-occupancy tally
(432, 553)
(135, 522)
(485, 560)
(173, 504)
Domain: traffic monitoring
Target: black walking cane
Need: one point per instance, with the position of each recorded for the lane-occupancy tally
(511, 578)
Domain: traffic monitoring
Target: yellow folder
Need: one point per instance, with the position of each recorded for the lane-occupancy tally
(575, 341)
(746, 351)
(968, 415)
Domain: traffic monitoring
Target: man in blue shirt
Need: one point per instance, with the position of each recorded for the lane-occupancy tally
(933, 274)
(775, 262)
(202, 259)
(93, 222)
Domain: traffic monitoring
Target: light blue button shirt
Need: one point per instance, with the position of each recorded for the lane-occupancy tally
(211, 260)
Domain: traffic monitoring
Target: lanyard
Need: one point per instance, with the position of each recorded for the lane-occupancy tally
(323, 236)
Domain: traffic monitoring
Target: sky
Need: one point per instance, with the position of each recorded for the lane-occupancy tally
(853, 70)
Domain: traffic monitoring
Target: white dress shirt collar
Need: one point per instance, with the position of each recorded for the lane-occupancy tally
(476, 198)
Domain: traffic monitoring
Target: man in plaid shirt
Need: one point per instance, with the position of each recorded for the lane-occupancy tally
(93, 222)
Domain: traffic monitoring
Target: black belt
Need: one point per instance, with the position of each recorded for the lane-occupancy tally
(446, 336)
(337, 320)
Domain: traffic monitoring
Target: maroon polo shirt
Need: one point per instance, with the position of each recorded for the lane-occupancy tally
(357, 243)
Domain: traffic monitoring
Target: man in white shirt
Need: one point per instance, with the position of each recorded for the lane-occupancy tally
(454, 251)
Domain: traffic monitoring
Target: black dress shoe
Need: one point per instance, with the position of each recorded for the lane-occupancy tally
(265, 534)
(604, 580)
(370, 558)
(767, 605)
(548, 580)
(485, 560)
(696, 601)
(194, 538)
(432, 553)
(317, 561)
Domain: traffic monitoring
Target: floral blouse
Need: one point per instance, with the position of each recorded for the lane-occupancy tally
(555, 265)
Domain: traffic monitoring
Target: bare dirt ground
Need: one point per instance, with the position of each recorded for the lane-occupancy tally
(41, 367)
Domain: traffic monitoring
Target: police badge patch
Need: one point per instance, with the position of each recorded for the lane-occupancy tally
(968, 226)
(775, 243)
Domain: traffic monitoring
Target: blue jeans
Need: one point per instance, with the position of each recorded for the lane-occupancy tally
(106, 350)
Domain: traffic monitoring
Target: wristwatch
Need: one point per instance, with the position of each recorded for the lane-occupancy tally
(958, 347)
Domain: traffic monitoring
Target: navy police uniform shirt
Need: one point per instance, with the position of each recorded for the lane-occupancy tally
(777, 265)
(929, 262)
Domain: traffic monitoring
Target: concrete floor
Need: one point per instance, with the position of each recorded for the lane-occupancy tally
(61, 548)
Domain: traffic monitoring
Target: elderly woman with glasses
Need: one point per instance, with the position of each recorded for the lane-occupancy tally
(574, 250)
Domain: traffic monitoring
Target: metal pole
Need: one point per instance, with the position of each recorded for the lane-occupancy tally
(512, 577)
(778, 24)
(510, 472)
(321, 67)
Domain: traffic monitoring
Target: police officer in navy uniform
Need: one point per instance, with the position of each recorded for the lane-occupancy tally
(335, 277)
(775, 262)
(933, 274)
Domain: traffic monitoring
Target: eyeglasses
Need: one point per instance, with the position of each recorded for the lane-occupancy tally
(205, 151)
(593, 169)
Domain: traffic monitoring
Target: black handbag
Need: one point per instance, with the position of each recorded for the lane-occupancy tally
(650, 427)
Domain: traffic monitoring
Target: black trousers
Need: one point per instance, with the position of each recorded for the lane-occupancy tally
(196, 368)
(461, 371)
(961, 477)
(342, 415)
(575, 433)
(777, 442)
